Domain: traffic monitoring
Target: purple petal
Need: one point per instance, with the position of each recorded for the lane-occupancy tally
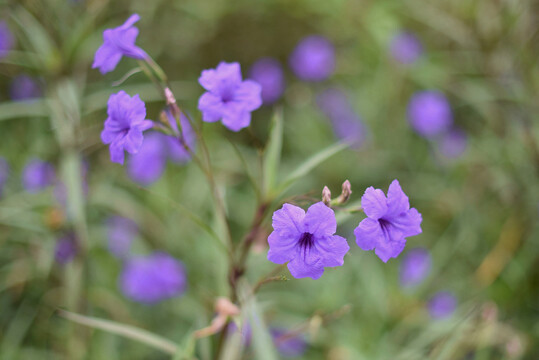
(211, 107)
(249, 94)
(236, 120)
(442, 305)
(133, 141)
(332, 250)
(320, 220)
(374, 203)
(282, 248)
(397, 201)
(106, 58)
(130, 21)
(392, 244)
(117, 154)
(368, 234)
(415, 267)
(288, 221)
(149, 163)
(306, 264)
(408, 223)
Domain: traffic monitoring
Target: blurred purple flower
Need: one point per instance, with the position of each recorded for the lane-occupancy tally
(37, 175)
(66, 249)
(347, 125)
(268, 72)
(415, 267)
(406, 48)
(24, 87)
(289, 345)
(228, 98)
(453, 143)
(442, 305)
(313, 59)
(307, 241)
(6, 39)
(429, 113)
(124, 126)
(4, 174)
(389, 221)
(175, 150)
(120, 234)
(149, 163)
(153, 278)
(118, 42)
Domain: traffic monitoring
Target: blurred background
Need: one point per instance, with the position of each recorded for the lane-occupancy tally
(442, 95)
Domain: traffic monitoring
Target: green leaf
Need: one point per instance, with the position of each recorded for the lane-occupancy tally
(272, 153)
(310, 164)
(23, 109)
(127, 331)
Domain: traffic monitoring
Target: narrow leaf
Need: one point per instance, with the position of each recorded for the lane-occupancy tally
(272, 153)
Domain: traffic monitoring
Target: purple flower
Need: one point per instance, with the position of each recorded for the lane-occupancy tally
(289, 345)
(6, 39)
(429, 113)
(268, 72)
(153, 278)
(406, 48)
(120, 234)
(24, 87)
(442, 305)
(118, 42)
(389, 221)
(66, 249)
(307, 241)
(175, 150)
(228, 98)
(313, 59)
(415, 267)
(4, 173)
(149, 163)
(37, 175)
(347, 125)
(124, 125)
(453, 143)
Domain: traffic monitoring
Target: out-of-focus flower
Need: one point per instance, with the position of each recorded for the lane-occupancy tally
(120, 234)
(389, 221)
(4, 174)
(313, 59)
(429, 113)
(306, 241)
(453, 143)
(175, 150)
(24, 87)
(347, 125)
(406, 48)
(149, 163)
(228, 98)
(124, 126)
(37, 175)
(268, 72)
(153, 278)
(289, 345)
(66, 249)
(415, 267)
(118, 42)
(6, 39)
(442, 305)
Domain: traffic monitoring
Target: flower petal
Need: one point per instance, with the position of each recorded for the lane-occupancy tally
(116, 153)
(306, 263)
(282, 248)
(368, 234)
(211, 107)
(397, 201)
(249, 94)
(332, 249)
(374, 203)
(106, 58)
(391, 249)
(133, 141)
(320, 220)
(288, 221)
(236, 121)
(408, 223)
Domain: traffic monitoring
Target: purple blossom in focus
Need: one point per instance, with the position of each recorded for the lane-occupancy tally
(37, 175)
(389, 221)
(268, 72)
(406, 48)
(415, 267)
(228, 98)
(442, 305)
(306, 241)
(313, 59)
(6, 39)
(24, 87)
(453, 143)
(4, 174)
(347, 125)
(124, 126)
(120, 234)
(175, 150)
(153, 278)
(429, 113)
(149, 163)
(118, 42)
(66, 249)
(289, 345)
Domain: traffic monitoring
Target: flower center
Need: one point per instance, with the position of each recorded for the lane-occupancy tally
(306, 240)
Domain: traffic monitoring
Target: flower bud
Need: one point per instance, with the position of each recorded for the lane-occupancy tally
(326, 196)
(346, 191)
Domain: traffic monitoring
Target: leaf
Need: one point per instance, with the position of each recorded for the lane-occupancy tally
(310, 164)
(272, 153)
(127, 331)
(23, 109)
